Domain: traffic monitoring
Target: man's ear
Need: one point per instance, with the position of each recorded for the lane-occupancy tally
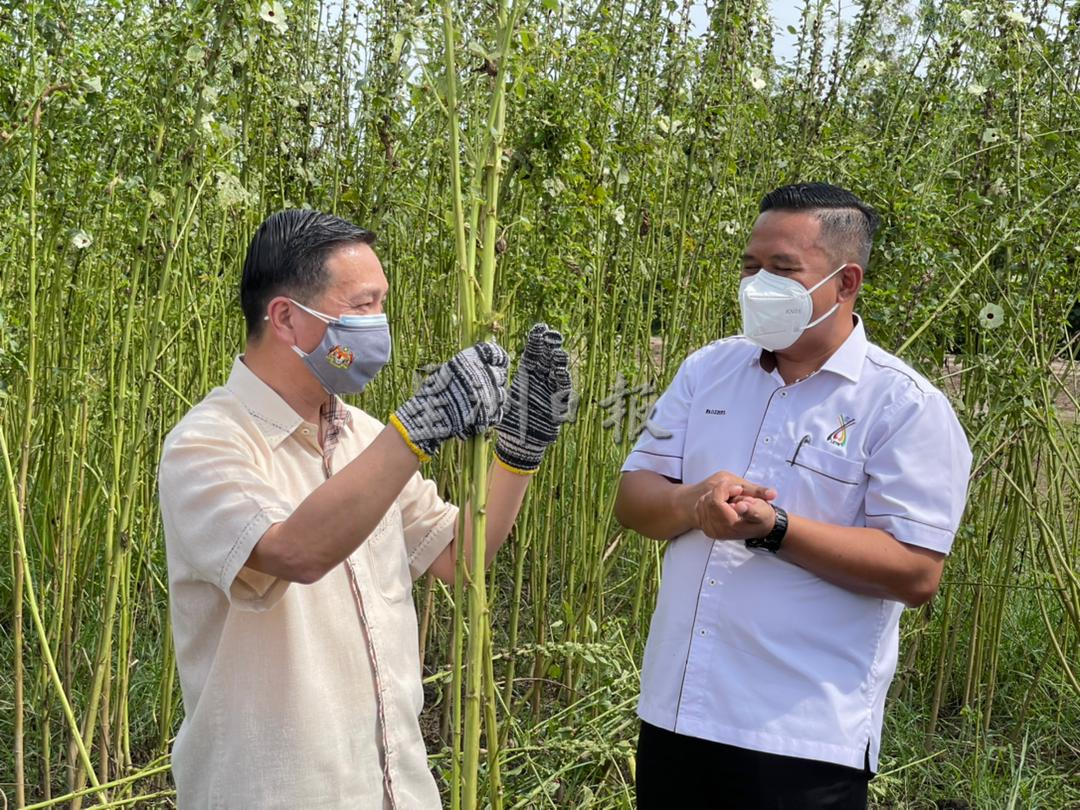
(279, 318)
(851, 278)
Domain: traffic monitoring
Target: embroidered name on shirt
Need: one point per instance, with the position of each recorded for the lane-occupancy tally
(716, 412)
(839, 436)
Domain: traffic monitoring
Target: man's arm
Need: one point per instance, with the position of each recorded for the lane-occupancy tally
(870, 562)
(866, 561)
(660, 508)
(539, 403)
(506, 491)
(461, 398)
(331, 522)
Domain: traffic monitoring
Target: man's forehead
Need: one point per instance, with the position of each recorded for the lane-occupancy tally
(784, 236)
(355, 269)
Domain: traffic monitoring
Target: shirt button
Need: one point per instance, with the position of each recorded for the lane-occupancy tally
(783, 393)
(767, 440)
(712, 581)
(702, 631)
(306, 432)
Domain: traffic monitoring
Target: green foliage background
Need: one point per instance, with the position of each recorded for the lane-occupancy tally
(141, 143)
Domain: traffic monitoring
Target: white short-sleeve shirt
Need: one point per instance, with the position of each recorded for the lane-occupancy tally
(750, 650)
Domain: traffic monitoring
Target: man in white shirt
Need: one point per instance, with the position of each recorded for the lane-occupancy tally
(810, 486)
(295, 526)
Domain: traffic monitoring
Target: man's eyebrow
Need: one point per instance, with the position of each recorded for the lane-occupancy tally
(367, 291)
(776, 258)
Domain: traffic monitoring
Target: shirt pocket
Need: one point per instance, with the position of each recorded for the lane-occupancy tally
(829, 487)
(387, 558)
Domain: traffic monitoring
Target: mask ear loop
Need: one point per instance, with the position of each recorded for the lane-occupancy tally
(835, 306)
(322, 317)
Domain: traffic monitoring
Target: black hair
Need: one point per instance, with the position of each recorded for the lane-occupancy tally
(848, 224)
(288, 255)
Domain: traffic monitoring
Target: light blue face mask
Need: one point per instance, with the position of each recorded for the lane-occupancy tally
(353, 350)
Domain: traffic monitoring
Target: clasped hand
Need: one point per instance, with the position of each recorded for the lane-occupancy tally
(728, 507)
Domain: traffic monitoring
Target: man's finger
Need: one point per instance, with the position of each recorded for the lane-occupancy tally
(729, 491)
(757, 490)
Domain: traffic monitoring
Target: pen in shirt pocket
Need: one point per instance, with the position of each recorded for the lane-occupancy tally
(804, 440)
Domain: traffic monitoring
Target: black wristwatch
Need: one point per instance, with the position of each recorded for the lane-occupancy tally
(771, 541)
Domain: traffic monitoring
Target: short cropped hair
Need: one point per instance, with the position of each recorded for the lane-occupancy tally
(288, 255)
(848, 224)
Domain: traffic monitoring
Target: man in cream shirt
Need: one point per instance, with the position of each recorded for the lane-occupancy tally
(295, 526)
(811, 486)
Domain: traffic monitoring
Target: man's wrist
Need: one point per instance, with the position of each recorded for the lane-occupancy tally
(774, 538)
(684, 498)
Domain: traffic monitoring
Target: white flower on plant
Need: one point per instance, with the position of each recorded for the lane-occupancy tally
(991, 316)
(967, 17)
(157, 199)
(757, 79)
(1017, 17)
(553, 186)
(231, 191)
(620, 214)
(730, 227)
(975, 89)
(869, 65)
(206, 123)
(210, 95)
(80, 240)
(991, 135)
(274, 13)
(93, 83)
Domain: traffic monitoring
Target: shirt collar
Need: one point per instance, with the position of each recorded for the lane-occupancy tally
(274, 416)
(847, 361)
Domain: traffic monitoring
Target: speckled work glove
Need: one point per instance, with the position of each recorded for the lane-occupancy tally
(463, 397)
(541, 399)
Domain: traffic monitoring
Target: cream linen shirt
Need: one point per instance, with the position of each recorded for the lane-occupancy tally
(294, 695)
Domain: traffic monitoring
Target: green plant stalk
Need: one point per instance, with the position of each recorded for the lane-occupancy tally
(19, 562)
(151, 359)
(467, 309)
(35, 613)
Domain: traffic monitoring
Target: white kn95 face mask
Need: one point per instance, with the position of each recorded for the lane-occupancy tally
(776, 310)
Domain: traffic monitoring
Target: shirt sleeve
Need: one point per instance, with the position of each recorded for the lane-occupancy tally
(660, 449)
(215, 506)
(918, 475)
(427, 522)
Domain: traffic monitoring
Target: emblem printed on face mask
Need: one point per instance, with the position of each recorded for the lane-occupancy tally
(839, 436)
(353, 350)
(340, 357)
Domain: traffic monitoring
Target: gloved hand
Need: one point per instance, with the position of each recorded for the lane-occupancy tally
(541, 399)
(463, 397)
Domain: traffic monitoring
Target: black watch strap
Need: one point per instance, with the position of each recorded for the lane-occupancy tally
(773, 540)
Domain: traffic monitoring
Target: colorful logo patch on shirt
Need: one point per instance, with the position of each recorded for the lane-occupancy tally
(839, 436)
(340, 357)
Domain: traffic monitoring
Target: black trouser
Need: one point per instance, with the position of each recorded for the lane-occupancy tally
(674, 770)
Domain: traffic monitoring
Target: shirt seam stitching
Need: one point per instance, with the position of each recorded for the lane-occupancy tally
(244, 533)
(443, 522)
